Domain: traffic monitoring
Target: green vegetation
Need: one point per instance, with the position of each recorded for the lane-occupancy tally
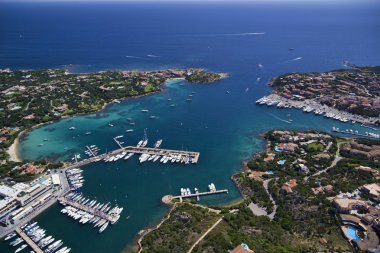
(305, 219)
(31, 97)
(185, 225)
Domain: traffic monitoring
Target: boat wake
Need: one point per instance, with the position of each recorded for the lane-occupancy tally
(283, 120)
(134, 57)
(296, 59)
(233, 34)
(153, 56)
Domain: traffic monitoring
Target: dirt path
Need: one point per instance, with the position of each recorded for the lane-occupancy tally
(204, 235)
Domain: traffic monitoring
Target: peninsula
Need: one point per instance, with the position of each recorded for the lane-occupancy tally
(32, 97)
(307, 192)
(345, 95)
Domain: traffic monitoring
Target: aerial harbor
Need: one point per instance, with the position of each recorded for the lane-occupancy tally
(189, 127)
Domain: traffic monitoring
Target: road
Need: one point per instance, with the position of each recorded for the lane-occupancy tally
(337, 158)
(265, 184)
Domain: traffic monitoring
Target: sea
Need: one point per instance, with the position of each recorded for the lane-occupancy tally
(251, 41)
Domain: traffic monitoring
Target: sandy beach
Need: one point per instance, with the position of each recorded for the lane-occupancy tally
(13, 150)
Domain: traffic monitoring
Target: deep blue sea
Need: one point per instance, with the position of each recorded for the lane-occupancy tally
(224, 128)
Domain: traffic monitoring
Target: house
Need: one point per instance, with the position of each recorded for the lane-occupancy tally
(372, 189)
(242, 248)
(346, 205)
(289, 185)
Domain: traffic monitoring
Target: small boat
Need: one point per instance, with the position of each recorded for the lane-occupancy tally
(110, 125)
(129, 130)
(228, 92)
(72, 128)
(172, 105)
(189, 100)
(145, 110)
(87, 133)
(45, 139)
(21, 248)
(40, 145)
(9, 236)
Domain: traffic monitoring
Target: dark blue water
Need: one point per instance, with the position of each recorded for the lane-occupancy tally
(223, 127)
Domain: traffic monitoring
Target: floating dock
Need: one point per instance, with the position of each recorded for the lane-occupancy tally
(138, 150)
(159, 151)
(87, 209)
(29, 241)
(168, 198)
(337, 130)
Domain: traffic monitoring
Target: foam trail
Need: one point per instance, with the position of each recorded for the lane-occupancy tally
(296, 59)
(283, 120)
(261, 66)
(232, 34)
(153, 56)
(131, 56)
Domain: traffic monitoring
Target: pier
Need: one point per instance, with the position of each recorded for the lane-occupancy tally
(118, 142)
(168, 198)
(370, 135)
(29, 241)
(159, 151)
(87, 209)
(137, 150)
(90, 151)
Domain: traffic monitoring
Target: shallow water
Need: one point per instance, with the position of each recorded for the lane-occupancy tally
(223, 127)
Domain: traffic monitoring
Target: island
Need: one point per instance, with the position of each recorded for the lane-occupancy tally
(29, 98)
(306, 192)
(345, 95)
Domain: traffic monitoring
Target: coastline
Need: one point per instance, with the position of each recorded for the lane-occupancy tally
(13, 149)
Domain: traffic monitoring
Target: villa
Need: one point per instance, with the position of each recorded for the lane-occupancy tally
(346, 205)
(373, 190)
(289, 185)
(242, 248)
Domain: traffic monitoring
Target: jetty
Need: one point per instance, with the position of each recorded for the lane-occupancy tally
(29, 241)
(90, 151)
(168, 198)
(95, 212)
(351, 132)
(137, 150)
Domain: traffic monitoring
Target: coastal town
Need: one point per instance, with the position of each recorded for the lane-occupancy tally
(307, 192)
(303, 179)
(345, 95)
(32, 98)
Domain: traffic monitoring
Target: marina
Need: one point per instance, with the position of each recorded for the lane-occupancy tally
(312, 106)
(357, 133)
(85, 210)
(35, 237)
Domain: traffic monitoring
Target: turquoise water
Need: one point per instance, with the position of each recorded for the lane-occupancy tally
(223, 127)
(352, 233)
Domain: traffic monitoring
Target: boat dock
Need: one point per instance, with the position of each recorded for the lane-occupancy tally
(29, 241)
(87, 209)
(90, 151)
(168, 198)
(159, 151)
(351, 132)
(137, 150)
(118, 142)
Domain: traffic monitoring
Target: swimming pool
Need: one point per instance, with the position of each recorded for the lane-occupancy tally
(352, 233)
